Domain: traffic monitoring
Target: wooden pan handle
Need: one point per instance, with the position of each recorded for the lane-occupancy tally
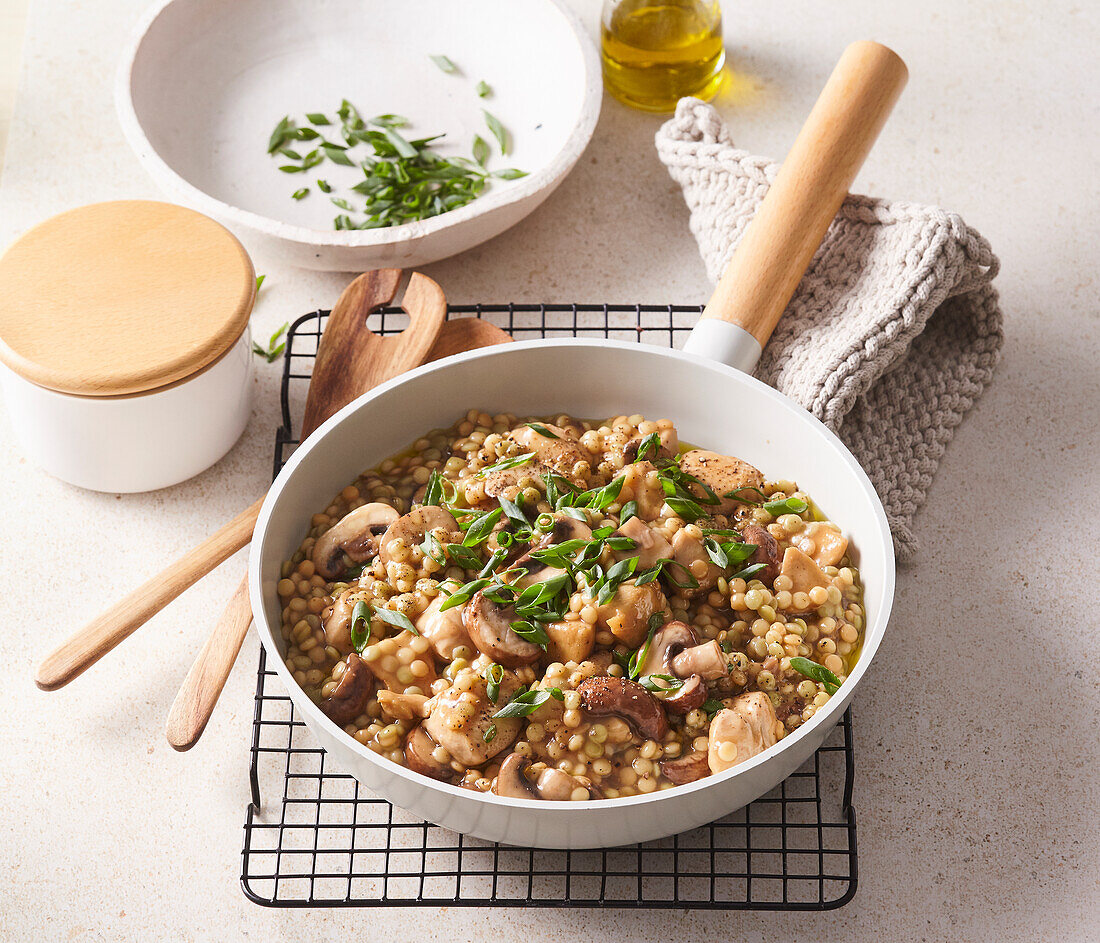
(781, 240)
(204, 682)
(99, 636)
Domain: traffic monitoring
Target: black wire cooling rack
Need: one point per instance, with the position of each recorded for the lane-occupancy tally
(314, 837)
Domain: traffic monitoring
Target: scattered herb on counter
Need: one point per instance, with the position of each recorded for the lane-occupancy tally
(444, 63)
(818, 673)
(300, 193)
(483, 89)
(276, 345)
(259, 281)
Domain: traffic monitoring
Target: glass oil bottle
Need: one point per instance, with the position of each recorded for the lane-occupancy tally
(657, 51)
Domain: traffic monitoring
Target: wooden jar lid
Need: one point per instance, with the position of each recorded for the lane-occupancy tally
(122, 297)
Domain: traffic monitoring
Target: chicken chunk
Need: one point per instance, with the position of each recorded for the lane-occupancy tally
(626, 615)
(642, 485)
(822, 542)
(570, 640)
(460, 718)
(742, 731)
(651, 544)
(688, 550)
(444, 630)
(724, 474)
(561, 450)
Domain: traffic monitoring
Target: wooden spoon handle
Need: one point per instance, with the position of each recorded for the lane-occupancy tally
(204, 682)
(86, 647)
(779, 243)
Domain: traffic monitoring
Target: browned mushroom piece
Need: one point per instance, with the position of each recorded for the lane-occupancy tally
(490, 629)
(668, 641)
(551, 784)
(626, 699)
(687, 768)
(767, 552)
(356, 534)
(649, 544)
(512, 781)
(692, 694)
(724, 475)
(418, 756)
(352, 693)
(337, 618)
(412, 527)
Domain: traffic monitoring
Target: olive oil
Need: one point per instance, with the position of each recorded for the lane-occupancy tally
(657, 51)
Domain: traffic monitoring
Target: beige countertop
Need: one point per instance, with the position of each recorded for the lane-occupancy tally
(977, 730)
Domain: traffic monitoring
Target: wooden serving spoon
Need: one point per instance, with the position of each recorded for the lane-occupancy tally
(426, 307)
(199, 693)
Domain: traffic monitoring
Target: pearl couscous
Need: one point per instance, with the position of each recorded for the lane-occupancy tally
(566, 610)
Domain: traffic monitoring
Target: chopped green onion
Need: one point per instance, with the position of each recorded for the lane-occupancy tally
(275, 346)
(527, 702)
(786, 506)
(483, 89)
(444, 63)
(542, 430)
(360, 626)
(464, 594)
(498, 130)
(493, 677)
(300, 193)
(505, 463)
(397, 619)
(490, 733)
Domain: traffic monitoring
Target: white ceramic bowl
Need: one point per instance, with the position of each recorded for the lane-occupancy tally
(205, 82)
(713, 406)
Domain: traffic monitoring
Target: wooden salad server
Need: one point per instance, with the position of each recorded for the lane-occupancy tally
(426, 307)
(203, 685)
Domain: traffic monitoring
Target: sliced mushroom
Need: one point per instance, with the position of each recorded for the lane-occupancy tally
(570, 640)
(418, 756)
(352, 692)
(626, 615)
(512, 781)
(668, 641)
(686, 550)
(803, 573)
(444, 629)
(403, 706)
(822, 541)
(644, 488)
(741, 731)
(561, 451)
(490, 629)
(461, 717)
(628, 700)
(725, 475)
(687, 768)
(498, 482)
(564, 528)
(668, 448)
(692, 694)
(766, 552)
(355, 534)
(412, 527)
(650, 545)
(551, 784)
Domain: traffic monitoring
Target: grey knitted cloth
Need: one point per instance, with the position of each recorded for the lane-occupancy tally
(894, 330)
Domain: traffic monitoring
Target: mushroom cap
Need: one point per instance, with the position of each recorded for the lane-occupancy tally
(337, 617)
(687, 768)
(418, 756)
(626, 699)
(490, 629)
(669, 640)
(352, 693)
(766, 552)
(691, 695)
(511, 781)
(355, 534)
(723, 474)
(413, 526)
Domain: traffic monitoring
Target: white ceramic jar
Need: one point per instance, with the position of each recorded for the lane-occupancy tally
(124, 343)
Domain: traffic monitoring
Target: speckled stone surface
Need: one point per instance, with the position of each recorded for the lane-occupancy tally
(977, 728)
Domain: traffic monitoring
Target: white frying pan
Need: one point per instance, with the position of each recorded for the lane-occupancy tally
(713, 405)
